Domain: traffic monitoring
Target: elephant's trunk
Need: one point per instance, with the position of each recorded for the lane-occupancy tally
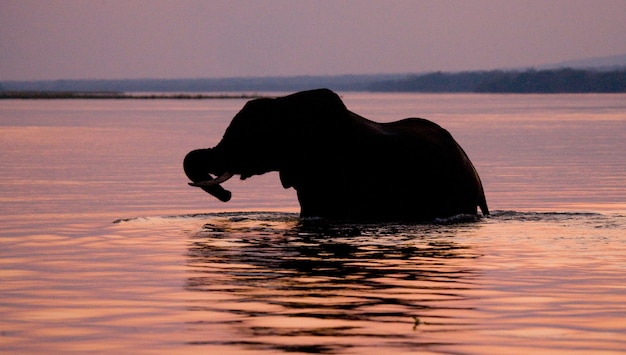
(197, 170)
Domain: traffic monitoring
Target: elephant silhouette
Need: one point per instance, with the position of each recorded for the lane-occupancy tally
(342, 165)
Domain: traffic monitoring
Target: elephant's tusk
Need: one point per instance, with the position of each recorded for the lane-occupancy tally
(207, 183)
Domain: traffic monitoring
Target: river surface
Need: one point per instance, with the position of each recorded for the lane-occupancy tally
(105, 249)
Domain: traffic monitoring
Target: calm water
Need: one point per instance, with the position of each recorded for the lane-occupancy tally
(104, 248)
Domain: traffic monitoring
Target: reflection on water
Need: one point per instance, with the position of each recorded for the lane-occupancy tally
(269, 282)
(313, 286)
(523, 281)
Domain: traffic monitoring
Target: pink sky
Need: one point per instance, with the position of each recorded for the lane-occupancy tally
(189, 39)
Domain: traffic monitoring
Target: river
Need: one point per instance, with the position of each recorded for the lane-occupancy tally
(104, 248)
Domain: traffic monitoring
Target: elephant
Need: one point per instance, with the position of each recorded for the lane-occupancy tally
(342, 165)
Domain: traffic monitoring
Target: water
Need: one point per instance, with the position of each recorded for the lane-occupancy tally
(104, 248)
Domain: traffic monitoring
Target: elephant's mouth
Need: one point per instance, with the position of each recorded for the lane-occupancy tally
(213, 187)
(213, 182)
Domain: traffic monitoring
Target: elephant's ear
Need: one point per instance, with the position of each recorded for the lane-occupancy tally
(311, 119)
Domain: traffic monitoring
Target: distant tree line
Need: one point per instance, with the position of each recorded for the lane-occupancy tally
(497, 81)
(531, 81)
(251, 84)
(48, 95)
(555, 81)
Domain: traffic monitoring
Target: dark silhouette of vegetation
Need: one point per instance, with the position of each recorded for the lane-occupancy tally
(432, 82)
(554, 81)
(531, 81)
(564, 80)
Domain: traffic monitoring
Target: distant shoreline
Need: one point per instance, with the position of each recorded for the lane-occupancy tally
(531, 81)
(48, 95)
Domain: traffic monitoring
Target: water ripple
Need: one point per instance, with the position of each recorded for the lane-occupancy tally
(283, 277)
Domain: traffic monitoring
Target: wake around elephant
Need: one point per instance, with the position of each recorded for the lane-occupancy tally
(343, 166)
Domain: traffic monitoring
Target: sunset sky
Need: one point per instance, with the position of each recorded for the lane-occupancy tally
(196, 38)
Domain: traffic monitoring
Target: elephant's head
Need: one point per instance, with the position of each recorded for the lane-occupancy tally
(281, 134)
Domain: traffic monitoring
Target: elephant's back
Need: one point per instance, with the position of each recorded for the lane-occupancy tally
(417, 127)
